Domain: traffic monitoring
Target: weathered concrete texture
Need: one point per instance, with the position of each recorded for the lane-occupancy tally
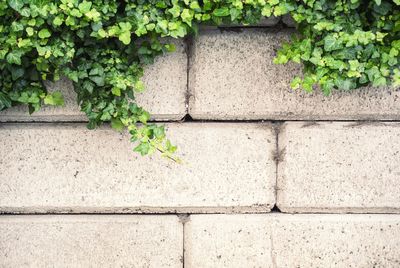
(232, 76)
(70, 112)
(164, 97)
(336, 241)
(228, 241)
(67, 168)
(342, 167)
(278, 240)
(264, 22)
(90, 241)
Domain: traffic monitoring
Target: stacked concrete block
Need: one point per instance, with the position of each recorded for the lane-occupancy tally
(233, 77)
(164, 97)
(68, 168)
(286, 179)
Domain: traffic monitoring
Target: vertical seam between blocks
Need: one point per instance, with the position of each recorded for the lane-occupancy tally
(188, 49)
(277, 157)
(183, 245)
(183, 218)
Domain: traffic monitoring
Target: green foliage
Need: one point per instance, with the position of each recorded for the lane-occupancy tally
(102, 46)
(345, 44)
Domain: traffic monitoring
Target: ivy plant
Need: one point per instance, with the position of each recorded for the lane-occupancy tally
(103, 46)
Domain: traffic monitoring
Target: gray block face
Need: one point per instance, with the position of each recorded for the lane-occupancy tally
(232, 76)
(264, 22)
(279, 240)
(339, 167)
(90, 241)
(67, 168)
(337, 241)
(70, 112)
(164, 96)
(228, 241)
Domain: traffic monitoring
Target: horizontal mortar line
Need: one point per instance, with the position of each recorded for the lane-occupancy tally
(133, 210)
(290, 120)
(188, 214)
(244, 121)
(277, 26)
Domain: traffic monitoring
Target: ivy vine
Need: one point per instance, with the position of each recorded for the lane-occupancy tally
(102, 46)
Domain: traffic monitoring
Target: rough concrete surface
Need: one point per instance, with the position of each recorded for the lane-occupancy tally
(90, 241)
(339, 167)
(67, 168)
(228, 241)
(336, 241)
(264, 22)
(164, 97)
(232, 76)
(279, 240)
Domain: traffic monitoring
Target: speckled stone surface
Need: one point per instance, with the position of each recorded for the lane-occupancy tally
(68, 168)
(90, 241)
(232, 76)
(164, 97)
(339, 167)
(228, 241)
(336, 241)
(264, 22)
(279, 240)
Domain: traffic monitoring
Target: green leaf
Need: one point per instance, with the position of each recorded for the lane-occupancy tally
(170, 47)
(221, 12)
(29, 31)
(58, 21)
(99, 80)
(187, 16)
(5, 101)
(266, 11)
(17, 73)
(125, 38)
(330, 43)
(143, 148)
(84, 7)
(175, 11)
(14, 57)
(159, 132)
(55, 98)
(117, 124)
(16, 4)
(139, 86)
(44, 33)
(144, 117)
(195, 5)
(116, 91)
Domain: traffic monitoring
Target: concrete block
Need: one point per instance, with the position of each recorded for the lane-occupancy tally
(279, 240)
(67, 168)
(232, 76)
(339, 167)
(228, 241)
(165, 95)
(336, 241)
(264, 22)
(90, 241)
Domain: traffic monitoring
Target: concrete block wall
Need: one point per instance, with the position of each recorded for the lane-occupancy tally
(271, 177)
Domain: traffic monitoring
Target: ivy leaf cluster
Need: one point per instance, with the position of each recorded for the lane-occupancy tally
(345, 44)
(104, 45)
